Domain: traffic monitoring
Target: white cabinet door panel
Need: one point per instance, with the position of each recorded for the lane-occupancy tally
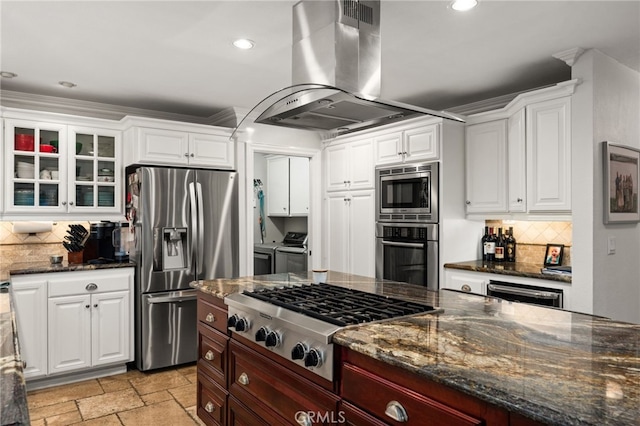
(210, 150)
(388, 148)
(30, 297)
(362, 255)
(69, 333)
(337, 234)
(298, 186)
(110, 327)
(163, 146)
(422, 143)
(517, 153)
(361, 166)
(278, 186)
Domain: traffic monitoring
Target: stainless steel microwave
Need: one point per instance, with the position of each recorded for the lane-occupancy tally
(407, 193)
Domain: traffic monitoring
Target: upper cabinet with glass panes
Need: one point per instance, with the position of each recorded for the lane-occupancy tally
(56, 168)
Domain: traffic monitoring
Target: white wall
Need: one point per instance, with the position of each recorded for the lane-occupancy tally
(606, 107)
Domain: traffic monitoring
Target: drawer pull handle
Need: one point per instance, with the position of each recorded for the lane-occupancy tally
(210, 317)
(91, 286)
(209, 356)
(243, 379)
(466, 287)
(396, 411)
(209, 407)
(303, 419)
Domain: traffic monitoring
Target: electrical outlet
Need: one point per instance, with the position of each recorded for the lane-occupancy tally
(611, 245)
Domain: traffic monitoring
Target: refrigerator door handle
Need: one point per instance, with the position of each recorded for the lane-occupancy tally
(173, 297)
(194, 220)
(200, 258)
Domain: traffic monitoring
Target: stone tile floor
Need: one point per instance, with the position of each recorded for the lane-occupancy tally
(164, 397)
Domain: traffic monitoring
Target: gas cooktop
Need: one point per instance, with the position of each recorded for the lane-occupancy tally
(338, 305)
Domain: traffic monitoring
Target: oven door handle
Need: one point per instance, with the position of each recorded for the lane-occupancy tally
(397, 244)
(523, 292)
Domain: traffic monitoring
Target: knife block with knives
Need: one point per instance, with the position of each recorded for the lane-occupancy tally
(74, 242)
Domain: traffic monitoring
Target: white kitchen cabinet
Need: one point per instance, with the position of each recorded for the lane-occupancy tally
(181, 148)
(521, 164)
(81, 175)
(486, 167)
(549, 155)
(349, 165)
(409, 145)
(350, 242)
(29, 294)
(89, 319)
(75, 321)
(287, 186)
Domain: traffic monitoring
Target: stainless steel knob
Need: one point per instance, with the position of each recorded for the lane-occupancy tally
(465, 287)
(186, 154)
(64, 203)
(91, 286)
(210, 317)
(95, 305)
(70, 203)
(468, 202)
(243, 379)
(313, 358)
(396, 411)
(519, 200)
(209, 407)
(87, 306)
(273, 339)
(192, 155)
(209, 356)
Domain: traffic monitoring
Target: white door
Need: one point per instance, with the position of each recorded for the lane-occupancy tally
(210, 151)
(30, 297)
(361, 207)
(388, 148)
(421, 143)
(360, 166)
(110, 325)
(337, 235)
(69, 333)
(298, 186)
(336, 159)
(486, 150)
(517, 164)
(278, 186)
(159, 146)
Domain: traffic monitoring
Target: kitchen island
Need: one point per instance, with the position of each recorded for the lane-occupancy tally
(546, 365)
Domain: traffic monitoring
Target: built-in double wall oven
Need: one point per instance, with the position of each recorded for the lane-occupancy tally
(407, 224)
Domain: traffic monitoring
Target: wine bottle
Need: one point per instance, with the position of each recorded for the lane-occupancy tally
(491, 246)
(511, 246)
(500, 247)
(483, 243)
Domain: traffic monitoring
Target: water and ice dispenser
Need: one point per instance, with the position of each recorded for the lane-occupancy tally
(174, 243)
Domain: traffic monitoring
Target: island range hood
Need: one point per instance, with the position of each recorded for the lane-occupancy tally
(336, 73)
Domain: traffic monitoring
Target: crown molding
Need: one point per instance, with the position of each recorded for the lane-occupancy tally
(569, 56)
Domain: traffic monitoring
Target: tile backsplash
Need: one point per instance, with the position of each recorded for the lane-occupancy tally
(18, 247)
(532, 238)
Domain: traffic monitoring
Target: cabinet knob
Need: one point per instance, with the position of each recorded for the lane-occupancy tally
(468, 202)
(209, 356)
(210, 317)
(209, 407)
(91, 286)
(87, 306)
(64, 203)
(186, 154)
(192, 154)
(303, 419)
(519, 200)
(465, 287)
(95, 305)
(396, 411)
(70, 203)
(243, 379)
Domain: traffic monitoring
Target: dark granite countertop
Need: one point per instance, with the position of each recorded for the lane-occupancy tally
(22, 268)
(13, 394)
(514, 269)
(550, 365)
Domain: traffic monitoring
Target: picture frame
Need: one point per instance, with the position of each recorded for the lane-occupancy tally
(621, 177)
(553, 255)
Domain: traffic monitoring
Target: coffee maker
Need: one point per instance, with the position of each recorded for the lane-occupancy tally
(99, 247)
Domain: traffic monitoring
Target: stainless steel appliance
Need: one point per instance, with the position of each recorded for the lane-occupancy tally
(526, 293)
(186, 228)
(408, 252)
(264, 258)
(297, 322)
(291, 255)
(407, 193)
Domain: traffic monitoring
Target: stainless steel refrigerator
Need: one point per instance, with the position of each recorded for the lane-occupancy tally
(185, 225)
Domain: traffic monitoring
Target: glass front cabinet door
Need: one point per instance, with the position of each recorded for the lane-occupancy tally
(53, 168)
(35, 167)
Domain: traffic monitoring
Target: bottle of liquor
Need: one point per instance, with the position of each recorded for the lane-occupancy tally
(491, 246)
(511, 246)
(500, 247)
(483, 243)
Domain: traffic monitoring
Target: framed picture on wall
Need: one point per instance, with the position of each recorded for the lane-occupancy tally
(621, 177)
(553, 255)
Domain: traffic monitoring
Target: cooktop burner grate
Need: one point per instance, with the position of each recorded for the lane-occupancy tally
(337, 305)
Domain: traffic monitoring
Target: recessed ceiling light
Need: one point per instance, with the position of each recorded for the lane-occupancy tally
(464, 5)
(67, 84)
(244, 43)
(7, 74)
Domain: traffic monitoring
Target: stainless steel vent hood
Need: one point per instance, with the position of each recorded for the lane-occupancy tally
(336, 73)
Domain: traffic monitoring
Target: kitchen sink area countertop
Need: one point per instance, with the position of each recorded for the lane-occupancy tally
(550, 365)
(22, 268)
(514, 269)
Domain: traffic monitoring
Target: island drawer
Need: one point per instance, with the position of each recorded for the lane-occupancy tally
(212, 353)
(212, 401)
(392, 401)
(210, 313)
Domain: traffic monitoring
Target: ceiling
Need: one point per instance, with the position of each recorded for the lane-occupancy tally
(177, 56)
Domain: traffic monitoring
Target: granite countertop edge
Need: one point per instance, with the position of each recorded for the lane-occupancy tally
(514, 269)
